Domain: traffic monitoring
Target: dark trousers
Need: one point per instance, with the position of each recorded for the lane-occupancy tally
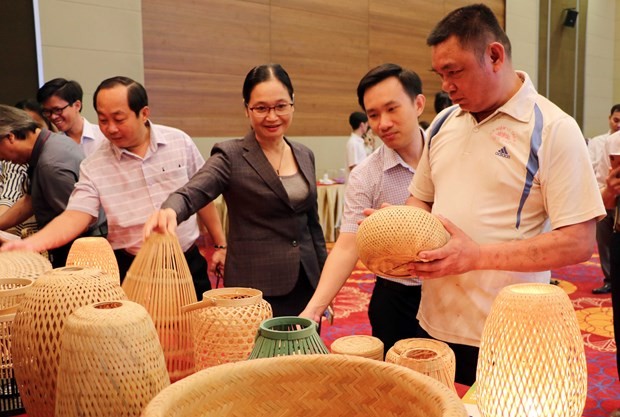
(294, 302)
(614, 251)
(58, 256)
(392, 311)
(604, 230)
(466, 361)
(197, 267)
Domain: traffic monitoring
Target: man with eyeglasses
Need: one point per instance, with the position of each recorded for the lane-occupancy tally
(62, 104)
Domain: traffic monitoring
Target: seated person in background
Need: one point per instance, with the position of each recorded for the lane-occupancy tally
(356, 151)
(34, 109)
(442, 101)
(61, 101)
(392, 98)
(129, 177)
(54, 163)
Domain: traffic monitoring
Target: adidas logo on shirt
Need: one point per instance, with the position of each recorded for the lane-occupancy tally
(503, 152)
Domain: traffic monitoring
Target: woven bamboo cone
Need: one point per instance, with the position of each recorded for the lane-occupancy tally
(94, 252)
(39, 323)
(116, 342)
(307, 385)
(224, 324)
(159, 279)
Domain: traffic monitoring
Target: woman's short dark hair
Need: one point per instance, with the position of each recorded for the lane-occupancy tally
(136, 93)
(264, 73)
(411, 82)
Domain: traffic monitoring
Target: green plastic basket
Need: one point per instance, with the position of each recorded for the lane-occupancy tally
(288, 335)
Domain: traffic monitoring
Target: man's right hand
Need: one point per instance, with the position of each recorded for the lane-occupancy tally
(17, 245)
(162, 221)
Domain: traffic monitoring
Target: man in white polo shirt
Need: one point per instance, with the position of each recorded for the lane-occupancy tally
(392, 98)
(510, 176)
(130, 175)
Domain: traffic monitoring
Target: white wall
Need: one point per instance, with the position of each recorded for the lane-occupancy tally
(522, 30)
(91, 40)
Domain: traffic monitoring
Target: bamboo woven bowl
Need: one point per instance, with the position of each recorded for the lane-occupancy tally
(359, 345)
(111, 362)
(287, 335)
(225, 323)
(22, 264)
(306, 385)
(392, 237)
(94, 252)
(38, 326)
(430, 357)
(12, 291)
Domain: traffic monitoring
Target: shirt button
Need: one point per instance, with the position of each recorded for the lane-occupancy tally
(294, 243)
(476, 129)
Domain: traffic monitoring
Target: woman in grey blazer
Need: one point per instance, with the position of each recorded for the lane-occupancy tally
(275, 241)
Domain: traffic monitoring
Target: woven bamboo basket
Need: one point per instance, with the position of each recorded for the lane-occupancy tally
(399, 347)
(307, 385)
(430, 357)
(39, 323)
(359, 345)
(12, 291)
(287, 335)
(159, 279)
(94, 252)
(225, 323)
(392, 237)
(22, 264)
(116, 342)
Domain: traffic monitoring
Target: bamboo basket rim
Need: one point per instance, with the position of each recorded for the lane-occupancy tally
(213, 298)
(266, 328)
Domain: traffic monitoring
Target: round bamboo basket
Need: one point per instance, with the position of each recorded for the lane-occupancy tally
(39, 323)
(225, 323)
(22, 264)
(116, 342)
(392, 237)
(307, 385)
(159, 279)
(10, 400)
(430, 357)
(359, 345)
(287, 335)
(94, 252)
(12, 291)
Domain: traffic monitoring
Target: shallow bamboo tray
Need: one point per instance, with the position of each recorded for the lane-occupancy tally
(306, 385)
(359, 345)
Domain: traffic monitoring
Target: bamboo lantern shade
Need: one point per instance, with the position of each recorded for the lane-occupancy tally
(111, 362)
(392, 237)
(22, 264)
(287, 335)
(430, 357)
(160, 280)
(39, 323)
(359, 345)
(399, 347)
(225, 323)
(94, 252)
(306, 385)
(532, 359)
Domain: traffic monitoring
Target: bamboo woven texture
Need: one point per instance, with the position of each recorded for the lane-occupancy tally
(159, 279)
(12, 292)
(532, 359)
(94, 252)
(39, 323)
(392, 237)
(430, 357)
(399, 347)
(225, 328)
(22, 264)
(9, 396)
(287, 335)
(306, 385)
(111, 362)
(359, 345)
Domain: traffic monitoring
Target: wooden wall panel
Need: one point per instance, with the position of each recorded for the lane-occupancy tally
(196, 55)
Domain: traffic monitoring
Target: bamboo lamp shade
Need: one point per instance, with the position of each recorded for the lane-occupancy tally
(359, 345)
(532, 359)
(393, 236)
(23, 264)
(111, 362)
(307, 385)
(94, 252)
(430, 357)
(159, 279)
(287, 335)
(38, 326)
(399, 347)
(225, 323)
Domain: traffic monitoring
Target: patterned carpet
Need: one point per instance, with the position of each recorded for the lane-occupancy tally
(593, 311)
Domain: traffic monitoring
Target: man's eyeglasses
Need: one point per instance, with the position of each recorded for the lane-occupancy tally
(281, 109)
(56, 110)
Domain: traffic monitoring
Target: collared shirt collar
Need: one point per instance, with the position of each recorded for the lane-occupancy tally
(155, 140)
(391, 158)
(37, 149)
